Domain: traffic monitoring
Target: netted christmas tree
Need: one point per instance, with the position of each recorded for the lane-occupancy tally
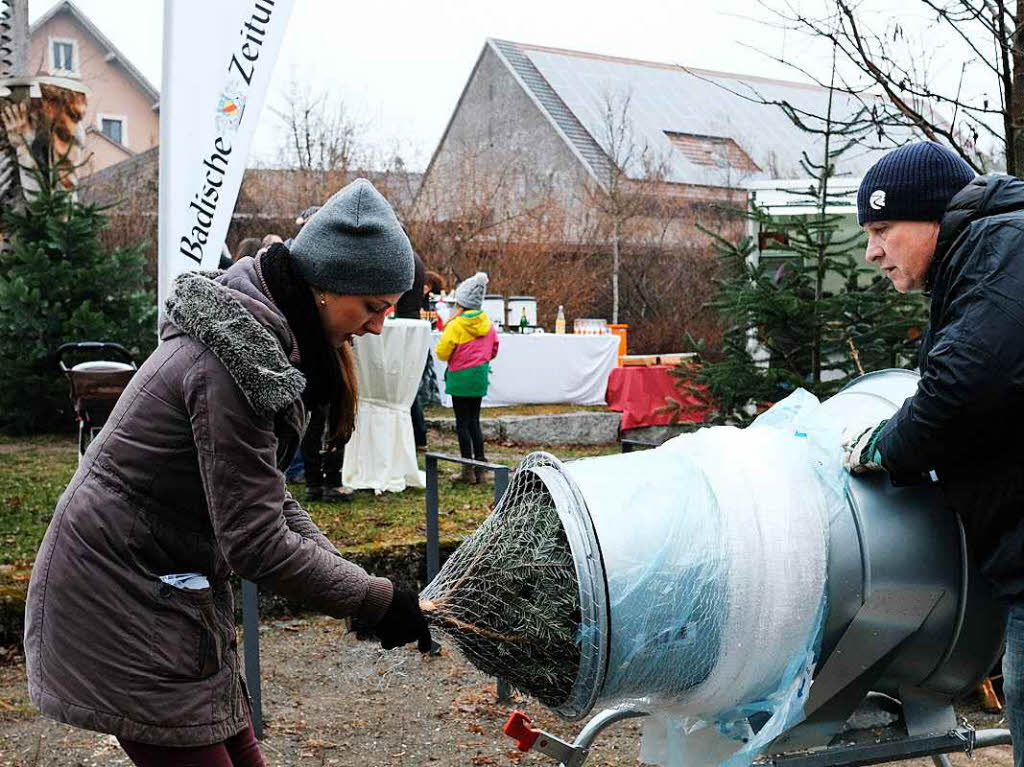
(509, 597)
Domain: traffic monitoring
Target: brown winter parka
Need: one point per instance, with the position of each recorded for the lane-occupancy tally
(186, 476)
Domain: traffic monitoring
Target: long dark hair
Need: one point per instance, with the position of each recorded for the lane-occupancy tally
(330, 373)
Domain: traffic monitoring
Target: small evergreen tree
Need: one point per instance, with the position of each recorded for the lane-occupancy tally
(57, 284)
(813, 316)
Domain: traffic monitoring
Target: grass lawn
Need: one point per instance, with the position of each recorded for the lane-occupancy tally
(35, 470)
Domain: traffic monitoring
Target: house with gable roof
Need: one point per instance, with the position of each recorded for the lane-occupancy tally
(541, 116)
(537, 136)
(122, 118)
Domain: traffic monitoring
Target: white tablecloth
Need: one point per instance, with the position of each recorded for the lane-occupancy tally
(382, 452)
(545, 368)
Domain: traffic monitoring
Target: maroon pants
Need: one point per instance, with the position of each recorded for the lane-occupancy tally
(241, 750)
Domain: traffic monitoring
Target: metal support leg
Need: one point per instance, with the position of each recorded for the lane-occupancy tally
(251, 637)
(500, 485)
(519, 728)
(960, 740)
(602, 722)
(433, 533)
(941, 760)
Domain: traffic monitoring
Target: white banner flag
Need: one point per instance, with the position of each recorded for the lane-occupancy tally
(218, 57)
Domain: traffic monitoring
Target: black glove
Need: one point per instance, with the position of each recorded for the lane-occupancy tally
(403, 623)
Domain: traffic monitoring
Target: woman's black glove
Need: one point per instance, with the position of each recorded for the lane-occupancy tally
(403, 623)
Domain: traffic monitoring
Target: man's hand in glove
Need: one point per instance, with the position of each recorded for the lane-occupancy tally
(859, 452)
(403, 623)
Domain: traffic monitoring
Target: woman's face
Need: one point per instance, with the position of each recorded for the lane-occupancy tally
(345, 316)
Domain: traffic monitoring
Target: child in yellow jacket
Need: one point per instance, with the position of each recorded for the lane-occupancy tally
(468, 344)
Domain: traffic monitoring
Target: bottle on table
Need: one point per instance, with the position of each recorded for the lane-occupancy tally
(560, 322)
(524, 322)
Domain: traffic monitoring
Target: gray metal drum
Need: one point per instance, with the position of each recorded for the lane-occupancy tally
(906, 541)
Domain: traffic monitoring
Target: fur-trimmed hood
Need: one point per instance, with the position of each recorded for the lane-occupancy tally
(230, 314)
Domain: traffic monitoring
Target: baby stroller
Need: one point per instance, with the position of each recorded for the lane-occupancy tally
(96, 384)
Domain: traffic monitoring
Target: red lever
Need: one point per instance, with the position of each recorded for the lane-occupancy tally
(518, 728)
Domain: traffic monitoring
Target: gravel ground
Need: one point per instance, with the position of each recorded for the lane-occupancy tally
(330, 700)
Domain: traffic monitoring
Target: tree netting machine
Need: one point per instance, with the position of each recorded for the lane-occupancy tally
(736, 590)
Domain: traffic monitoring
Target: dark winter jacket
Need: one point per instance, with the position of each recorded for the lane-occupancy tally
(184, 477)
(966, 420)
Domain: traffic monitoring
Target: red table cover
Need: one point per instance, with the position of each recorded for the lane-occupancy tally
(637, 392)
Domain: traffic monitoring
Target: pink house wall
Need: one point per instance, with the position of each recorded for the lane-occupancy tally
(112, 91)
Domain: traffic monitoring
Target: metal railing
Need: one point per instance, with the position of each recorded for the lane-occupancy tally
(251, 641)
(501, 474)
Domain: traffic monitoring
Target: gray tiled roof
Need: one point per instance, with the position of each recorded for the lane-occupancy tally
(571, 128)
(574, 88)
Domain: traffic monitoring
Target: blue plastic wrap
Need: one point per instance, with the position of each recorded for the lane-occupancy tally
(797, 443)
(714, 552)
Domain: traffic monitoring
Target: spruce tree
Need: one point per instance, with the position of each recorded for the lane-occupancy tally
(58, 284)
(801, 307)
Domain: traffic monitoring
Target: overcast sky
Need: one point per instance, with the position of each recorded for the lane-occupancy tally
(401, 64)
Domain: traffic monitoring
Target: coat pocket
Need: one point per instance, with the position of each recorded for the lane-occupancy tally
(185, 642)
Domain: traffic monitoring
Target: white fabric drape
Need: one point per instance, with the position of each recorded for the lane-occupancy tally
(546, 368)
(381, 455)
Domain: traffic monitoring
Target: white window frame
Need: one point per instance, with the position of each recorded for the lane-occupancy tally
(100, 117)
(74, 55)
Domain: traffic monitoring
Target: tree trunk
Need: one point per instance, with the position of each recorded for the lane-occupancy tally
(1015, 139)
(615, 269)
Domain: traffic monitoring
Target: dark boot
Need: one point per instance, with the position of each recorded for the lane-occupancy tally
(337, 494)
(467, 475)
(482, 475)
(314, 492)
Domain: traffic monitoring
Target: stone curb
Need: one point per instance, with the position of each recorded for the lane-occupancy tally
(580, 428)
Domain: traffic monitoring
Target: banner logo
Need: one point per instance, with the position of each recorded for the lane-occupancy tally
(230, 108)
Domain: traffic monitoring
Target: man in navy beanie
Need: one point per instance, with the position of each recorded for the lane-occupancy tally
(935, 227)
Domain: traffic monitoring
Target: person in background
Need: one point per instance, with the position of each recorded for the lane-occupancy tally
(225, 258)
(305, 215)
(433, 284)
(428, 390)
(301, 219)
(468, 345)
(408, 307)
(411, 302)
(248, 247)
(322, 457)
(129, 619)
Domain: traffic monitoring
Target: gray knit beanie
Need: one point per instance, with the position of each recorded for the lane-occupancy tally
(470, 293)
(354, 245)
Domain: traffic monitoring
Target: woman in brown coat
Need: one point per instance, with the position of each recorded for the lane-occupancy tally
(186, 479)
